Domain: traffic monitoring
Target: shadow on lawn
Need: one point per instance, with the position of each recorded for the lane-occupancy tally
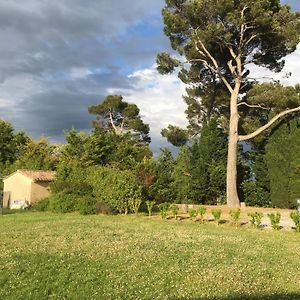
(279, 296)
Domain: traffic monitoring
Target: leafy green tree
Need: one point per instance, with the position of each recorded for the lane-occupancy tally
(162, 188)
(208, 164)
(175, 135)
(37, 155)
(121, 117)
(282, 159)
(218, 40)
(182, 178)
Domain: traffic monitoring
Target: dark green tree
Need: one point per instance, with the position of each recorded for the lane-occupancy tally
(208, 164)
(114, 114)
(282, 159)
(162, 188)
(218, 40)
(182, 178)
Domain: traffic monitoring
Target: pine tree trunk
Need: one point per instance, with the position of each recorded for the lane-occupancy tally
(232, 194)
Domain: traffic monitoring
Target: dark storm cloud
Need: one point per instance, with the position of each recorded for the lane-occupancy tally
(47, 46)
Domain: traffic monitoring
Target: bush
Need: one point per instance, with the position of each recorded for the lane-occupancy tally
(202, 211)
(75, 188)
(150, 205)
(114, 187)
(235, 215)
(135, 205)
(163, 209)
(256, 218)
(174, 210)
(86, 205)
(62, 203)
(255, 195)
(275, 220)
(42, 205)
(216, 214)
(192, 213)
(295, 216)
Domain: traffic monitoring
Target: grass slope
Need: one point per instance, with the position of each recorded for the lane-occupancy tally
(44, 255)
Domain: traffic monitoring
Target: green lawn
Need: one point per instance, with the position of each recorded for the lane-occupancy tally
(44, 255)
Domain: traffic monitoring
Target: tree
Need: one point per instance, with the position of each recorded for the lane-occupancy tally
(208, 164)
(162, 188)
(121, 117)
(37, 155)
(182, 178)
(282, 159)
(175, 135)
(220, 39)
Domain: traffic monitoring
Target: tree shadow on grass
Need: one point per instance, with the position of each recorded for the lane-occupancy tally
(278, 296)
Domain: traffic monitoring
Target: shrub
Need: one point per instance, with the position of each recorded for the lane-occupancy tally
(86, 205)
(62, 203)
(256, 218)
(75, 188)
(150, 205)
(235, 215)
(275, 220)
(192, 213)
(202, 211)
(255, 195)
(174, 209)
(216, 214)
(103, 208)
(135, 205)
(114, 187)
(42, 205)
(163, 209)
(295, 216)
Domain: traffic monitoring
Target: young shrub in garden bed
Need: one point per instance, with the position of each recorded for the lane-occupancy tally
(201, 212)
(255, 219)
(217, 215)
(192, 213)
(174, 209)
(150, 205)
(134, 205)
(275, 220)
(235, 216)
(295, 216)
(163, 209)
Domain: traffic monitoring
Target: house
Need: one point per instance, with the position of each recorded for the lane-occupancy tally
(26, 186)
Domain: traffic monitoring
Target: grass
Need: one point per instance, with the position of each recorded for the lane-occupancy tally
(51, 256)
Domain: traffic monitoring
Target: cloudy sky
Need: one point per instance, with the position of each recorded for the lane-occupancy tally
(57, 57)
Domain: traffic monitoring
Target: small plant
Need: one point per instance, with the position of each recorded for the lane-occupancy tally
(135, 205)
(235, 215)
(150, 205)
(275, 220)
(163, 209)
(201, 212)
(174, 210)
(216, 214)
(256, 218)
(192, 213)
(295, 216)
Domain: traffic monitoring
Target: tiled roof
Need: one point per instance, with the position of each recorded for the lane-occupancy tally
(38, 175)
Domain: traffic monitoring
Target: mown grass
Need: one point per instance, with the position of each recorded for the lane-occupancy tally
(45, 255)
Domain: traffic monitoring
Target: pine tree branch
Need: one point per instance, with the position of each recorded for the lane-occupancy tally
(215, 63)
(266, 126)
(252, 106)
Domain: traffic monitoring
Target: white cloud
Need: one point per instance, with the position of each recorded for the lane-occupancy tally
(159, 98)
(291, 66)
